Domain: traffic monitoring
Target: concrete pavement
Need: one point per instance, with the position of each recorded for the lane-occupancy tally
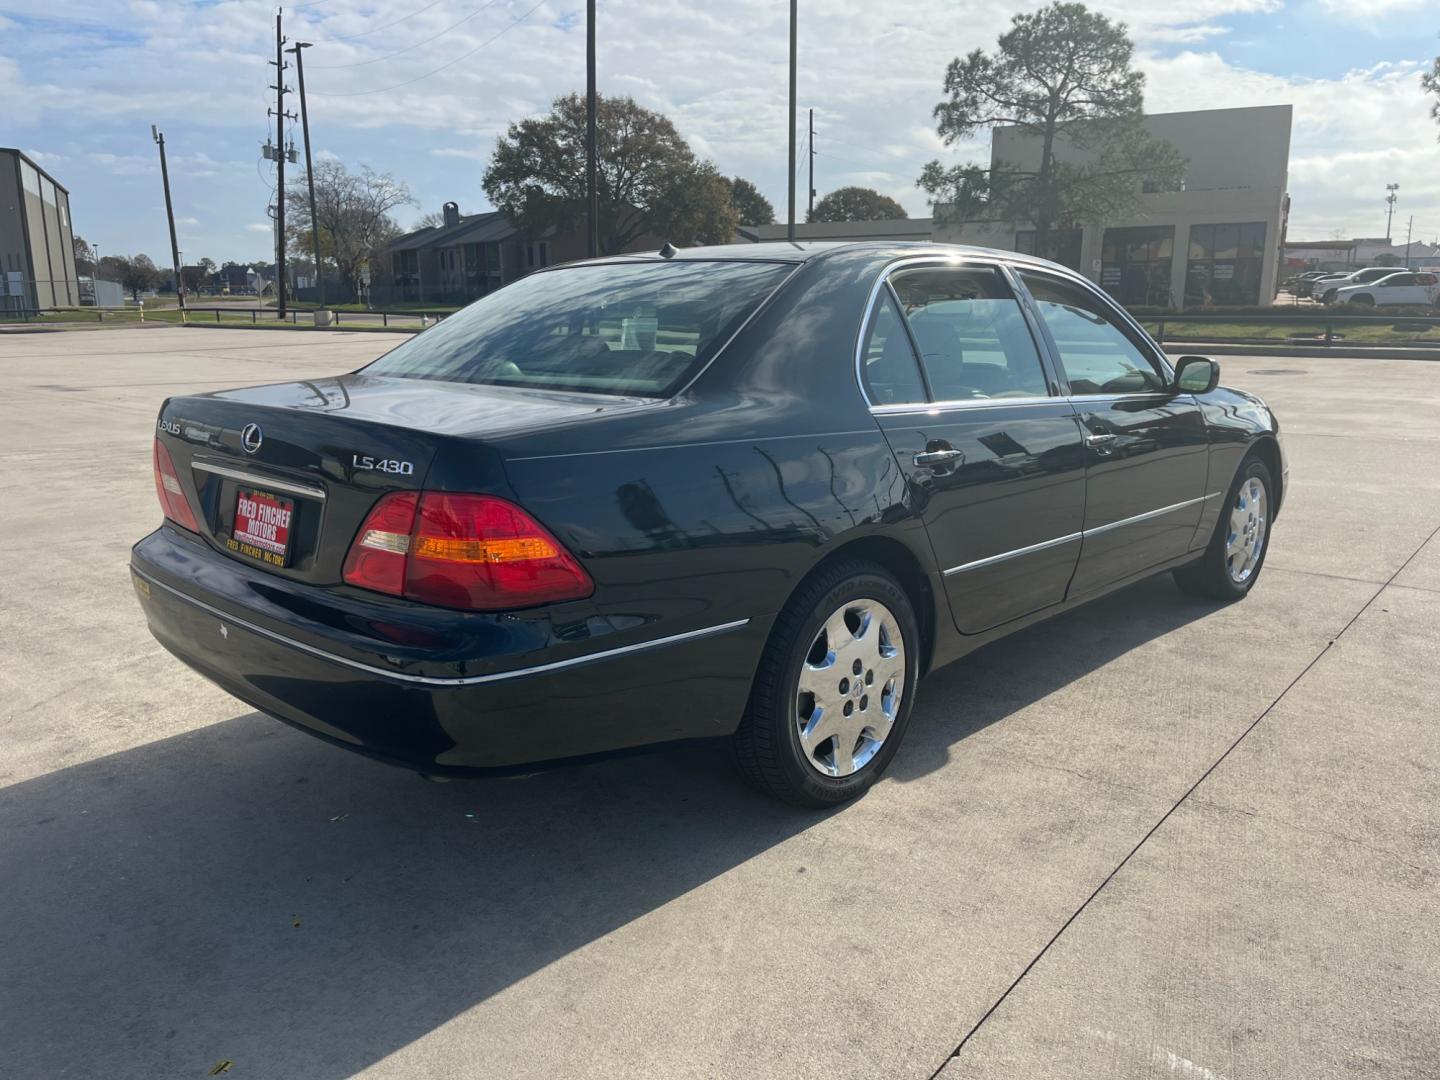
(1155, 837)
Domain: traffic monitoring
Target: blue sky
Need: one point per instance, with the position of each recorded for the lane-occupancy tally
(420, 88)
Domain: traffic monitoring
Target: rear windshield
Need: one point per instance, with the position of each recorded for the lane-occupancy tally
(617, 328)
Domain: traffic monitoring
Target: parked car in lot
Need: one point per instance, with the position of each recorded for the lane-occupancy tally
(1325, 288)
(1402, 287)
(1300, 284)
(748, 492)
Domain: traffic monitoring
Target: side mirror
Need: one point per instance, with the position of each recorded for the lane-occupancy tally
(1196, 375)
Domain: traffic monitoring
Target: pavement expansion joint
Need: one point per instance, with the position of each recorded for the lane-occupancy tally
(1325, 649)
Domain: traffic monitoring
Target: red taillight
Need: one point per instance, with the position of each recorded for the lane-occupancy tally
(377, 557)
(474, 552)
(172, 496)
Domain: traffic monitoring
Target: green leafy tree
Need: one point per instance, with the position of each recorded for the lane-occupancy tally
(856, 204)
(1061, 76)
(354, 213)
(752, 207)
(84, 257)
(649, 182)
(136, 275)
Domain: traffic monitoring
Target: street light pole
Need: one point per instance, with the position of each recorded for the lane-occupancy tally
(1390, 208)
(794, 20)
(309, 172)
(592, 189)
(159, 137)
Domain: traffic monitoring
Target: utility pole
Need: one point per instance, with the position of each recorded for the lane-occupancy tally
(309, 171)
(280, 155)
(794, 20)
(810, 209)
(1409, 229)
(159, 137)
(1390, 207)
(592, 190)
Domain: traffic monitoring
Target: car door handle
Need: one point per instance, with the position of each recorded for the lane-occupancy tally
(930, 458)
(1100, 440)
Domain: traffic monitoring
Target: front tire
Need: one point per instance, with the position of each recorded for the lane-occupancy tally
(833, 690)
(1233, 560)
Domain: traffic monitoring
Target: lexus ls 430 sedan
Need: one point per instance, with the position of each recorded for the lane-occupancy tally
(753, 493)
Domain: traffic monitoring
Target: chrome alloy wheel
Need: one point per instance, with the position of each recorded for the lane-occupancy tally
(1246, 540)
(851, 683)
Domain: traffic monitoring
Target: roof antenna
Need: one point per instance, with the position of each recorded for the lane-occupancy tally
(669, 251)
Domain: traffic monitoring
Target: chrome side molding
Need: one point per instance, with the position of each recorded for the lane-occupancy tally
(1081, 535)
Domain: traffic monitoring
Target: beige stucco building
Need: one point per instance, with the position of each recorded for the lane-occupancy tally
(1216, 240)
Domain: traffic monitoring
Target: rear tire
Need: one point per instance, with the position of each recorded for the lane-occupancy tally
(1236, 554)
(833, 690)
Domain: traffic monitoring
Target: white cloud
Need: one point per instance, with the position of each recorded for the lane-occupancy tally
(187, 221)
(266, 227)
(872, 71)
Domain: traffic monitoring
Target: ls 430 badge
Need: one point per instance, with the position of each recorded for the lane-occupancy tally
(363, 462)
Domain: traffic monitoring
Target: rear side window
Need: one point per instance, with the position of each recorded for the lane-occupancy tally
(972, 336)
(616, 328)
(891, 374)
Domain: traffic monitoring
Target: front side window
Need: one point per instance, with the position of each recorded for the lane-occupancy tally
(1097, 355)
(613, 328)
(971, 333)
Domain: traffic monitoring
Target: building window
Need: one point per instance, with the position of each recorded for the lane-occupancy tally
(1225, 264)
(1064, 246)
(1135, 264)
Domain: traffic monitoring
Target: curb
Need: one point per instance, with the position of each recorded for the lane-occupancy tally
(1342, 352)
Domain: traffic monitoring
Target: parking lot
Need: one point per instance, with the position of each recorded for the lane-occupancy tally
(1154, 837)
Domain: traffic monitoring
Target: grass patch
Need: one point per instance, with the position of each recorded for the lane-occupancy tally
(1242, 332)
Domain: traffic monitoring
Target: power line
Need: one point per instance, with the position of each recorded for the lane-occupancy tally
(408, 48)
(442, 67)
(383, 26)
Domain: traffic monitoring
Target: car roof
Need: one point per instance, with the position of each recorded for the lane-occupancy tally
(812, 250)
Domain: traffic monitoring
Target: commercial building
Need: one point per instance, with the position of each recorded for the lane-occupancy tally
(37, 245)
(1216, 239)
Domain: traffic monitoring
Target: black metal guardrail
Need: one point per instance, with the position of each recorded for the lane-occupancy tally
(257, 314)
(1401, 323)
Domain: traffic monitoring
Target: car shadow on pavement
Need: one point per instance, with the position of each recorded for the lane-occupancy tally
(243, 892)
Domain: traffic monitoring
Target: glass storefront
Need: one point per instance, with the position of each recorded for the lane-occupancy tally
(1225, 264)
(1135, 264)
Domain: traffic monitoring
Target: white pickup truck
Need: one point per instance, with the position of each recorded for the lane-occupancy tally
(1401, 287)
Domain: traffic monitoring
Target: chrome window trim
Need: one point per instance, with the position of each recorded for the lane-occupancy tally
(998, 403)
(1081, 535)
(435, 680)
(959, 260)
(294, 487)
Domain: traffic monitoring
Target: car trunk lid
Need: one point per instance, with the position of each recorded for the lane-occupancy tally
(283, 475)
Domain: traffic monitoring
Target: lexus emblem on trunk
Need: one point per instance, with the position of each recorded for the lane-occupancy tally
(251, 437)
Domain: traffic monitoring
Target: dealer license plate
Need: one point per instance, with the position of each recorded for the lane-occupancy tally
(262, 526)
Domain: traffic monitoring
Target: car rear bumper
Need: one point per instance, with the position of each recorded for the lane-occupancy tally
(441, 691)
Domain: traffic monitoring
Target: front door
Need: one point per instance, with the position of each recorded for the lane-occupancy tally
(992, 454)
(1146, 447)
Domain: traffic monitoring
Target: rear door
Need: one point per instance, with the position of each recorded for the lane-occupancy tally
(1146, 447)
(991, 452)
